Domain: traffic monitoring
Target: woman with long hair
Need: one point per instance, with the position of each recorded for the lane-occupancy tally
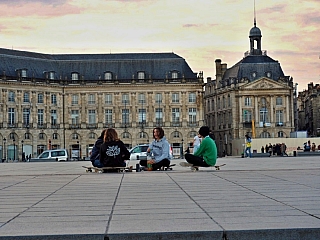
(113, 152)
(159, 149)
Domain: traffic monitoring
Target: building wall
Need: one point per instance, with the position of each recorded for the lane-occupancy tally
(83, 135)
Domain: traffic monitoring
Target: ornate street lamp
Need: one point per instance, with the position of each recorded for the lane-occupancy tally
(22, 153)
(14, 149)
(182, 148)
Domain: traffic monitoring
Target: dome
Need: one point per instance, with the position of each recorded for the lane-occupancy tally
(255, 32)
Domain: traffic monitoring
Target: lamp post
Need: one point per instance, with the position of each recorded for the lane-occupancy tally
(14, 149)
(4, 150)
(22, 153)
(125, 115)
(78, 150)
(182, 148)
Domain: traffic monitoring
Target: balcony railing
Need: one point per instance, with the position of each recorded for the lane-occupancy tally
(92, 126)
(74, 126)
(41, 125)
(193, 124)
(55, 126)
(108, 125)
(123, 125)
(176, 124)
(12, 125)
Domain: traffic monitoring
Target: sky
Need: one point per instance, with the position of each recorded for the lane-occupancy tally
(200, 31)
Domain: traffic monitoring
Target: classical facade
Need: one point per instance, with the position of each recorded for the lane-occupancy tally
(252, 97)
(66, 100)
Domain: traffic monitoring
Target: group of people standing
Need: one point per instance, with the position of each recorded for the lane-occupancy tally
(110, 151)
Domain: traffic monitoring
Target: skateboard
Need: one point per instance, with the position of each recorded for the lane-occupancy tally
(196, 168)
(101, 170)
(167, 168)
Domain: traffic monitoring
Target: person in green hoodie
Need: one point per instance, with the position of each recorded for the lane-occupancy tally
(206, 155)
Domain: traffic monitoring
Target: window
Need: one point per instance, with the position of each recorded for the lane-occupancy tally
(142, 135)
(91, 99)
(125, 99)
(27, 136)
(26, 97)
(192, 98)
(125, 116)
(11, 116)
(264, 115)
(54, 99)
(51, 75)
(229, 101)
(279, 101)
(108, 99)
(40, 98)
(141, 75)
(40, 116)
(176, 134)
(247, 116)
(141, 98)
(107, 76)
(24, 73)
(41, 136)
(55, 136)
(175, 114)
(108, 116)
(74, 76)
(53, 117)
(268, 74)
(92, 135)
(75, 136)
(74, 99)
(223, 102)
(74, 116)
(11, 97)
(175, 97)
(212, 105)
(142, 115)
(280, 134)
(26, 116)
(192, 115)
(158, 115)
(174, 75)
(158, 98)
(247, 101)
(279, 117)
(125, 135)
(92, 116)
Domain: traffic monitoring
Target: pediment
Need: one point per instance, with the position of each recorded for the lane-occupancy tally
(264, 83)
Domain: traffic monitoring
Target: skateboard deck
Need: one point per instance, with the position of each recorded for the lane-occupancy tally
(167, 168)
(101, 170)
(196, 168)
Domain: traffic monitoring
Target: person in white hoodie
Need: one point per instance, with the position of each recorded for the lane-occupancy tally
(159, 150)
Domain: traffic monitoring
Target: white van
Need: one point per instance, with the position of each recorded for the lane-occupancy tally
(58, 154)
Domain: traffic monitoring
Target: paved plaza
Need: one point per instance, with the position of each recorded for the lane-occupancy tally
(262, 198)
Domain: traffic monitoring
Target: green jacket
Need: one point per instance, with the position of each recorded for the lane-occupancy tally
(208, 150)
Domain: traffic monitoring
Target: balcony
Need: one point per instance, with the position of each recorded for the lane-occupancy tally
(125, 125)
(176, 124)
(55, 126)
(193, 124)
(143, 124)
(108, 125)
(12, 125)
(92, 126)
(74, 126)
(158, 124)
(41, 125)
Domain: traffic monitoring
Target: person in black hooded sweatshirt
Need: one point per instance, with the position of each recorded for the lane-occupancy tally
(94, 157)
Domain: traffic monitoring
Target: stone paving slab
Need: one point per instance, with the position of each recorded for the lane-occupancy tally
(264, 198)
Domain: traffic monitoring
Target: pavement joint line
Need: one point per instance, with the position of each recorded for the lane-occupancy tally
(39, 200)
(285, 180)
(224, 231)
(113, 206)
(261, 194)
(17, 183)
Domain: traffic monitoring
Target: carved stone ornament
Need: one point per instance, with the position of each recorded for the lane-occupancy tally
(263, 84)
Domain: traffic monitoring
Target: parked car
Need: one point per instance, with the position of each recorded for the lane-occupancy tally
(139, 150)
(58, 154)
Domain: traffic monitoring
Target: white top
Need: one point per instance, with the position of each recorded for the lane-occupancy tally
(196, 141)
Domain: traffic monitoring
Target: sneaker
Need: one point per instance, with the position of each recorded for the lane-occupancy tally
(186, 164)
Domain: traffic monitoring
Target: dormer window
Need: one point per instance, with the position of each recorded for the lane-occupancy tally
(174, 75)
(141, 75)
(254, 74)
(108, 76)
(24, 73)
(51, 75)
(74, 76)
(268, 74)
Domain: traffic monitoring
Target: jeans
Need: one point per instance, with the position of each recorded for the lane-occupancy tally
(97, 163)
(163, 163)
(248, 149)
(195, 160)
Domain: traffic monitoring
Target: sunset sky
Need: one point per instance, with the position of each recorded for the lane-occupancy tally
(200, 31)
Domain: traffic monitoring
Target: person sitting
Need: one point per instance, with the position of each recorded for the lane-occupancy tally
(207, 153)
(159, 149)
(94, 157)
(113, 152)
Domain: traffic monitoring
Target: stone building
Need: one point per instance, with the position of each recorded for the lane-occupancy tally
(65, 100)
(309, 110)
(252, 97)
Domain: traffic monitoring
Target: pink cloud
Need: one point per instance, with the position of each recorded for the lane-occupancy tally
(43, 8)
